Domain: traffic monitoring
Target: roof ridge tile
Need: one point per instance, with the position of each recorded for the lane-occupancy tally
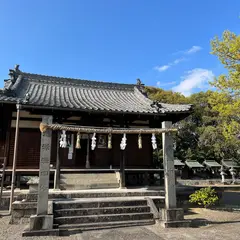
(77, 81)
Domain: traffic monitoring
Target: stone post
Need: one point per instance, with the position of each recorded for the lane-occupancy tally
(169, 170)
(43, 221)
(171, 216)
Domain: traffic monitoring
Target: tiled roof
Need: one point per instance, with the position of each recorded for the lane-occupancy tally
(230, 163)
(178, 162)
(211, 163)
(76, 94)
(193, 164)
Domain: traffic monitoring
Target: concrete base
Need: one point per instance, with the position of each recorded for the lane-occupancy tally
(51, 232)
(172, 218)
(41, 222)
(176, 224)
(173, 214)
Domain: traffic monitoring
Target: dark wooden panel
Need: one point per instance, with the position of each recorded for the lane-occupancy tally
(29, 148)
(80, 155)
(5, 121)
(136, 157)
(2, 147)
(29, 152)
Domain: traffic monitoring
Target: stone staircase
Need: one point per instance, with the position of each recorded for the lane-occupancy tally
(78, 181)
(72, 216)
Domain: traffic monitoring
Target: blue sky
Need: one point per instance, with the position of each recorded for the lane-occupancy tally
(164, 43)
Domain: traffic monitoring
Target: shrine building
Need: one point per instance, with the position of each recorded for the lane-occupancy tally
(103, 133)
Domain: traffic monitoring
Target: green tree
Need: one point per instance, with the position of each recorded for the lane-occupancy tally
(226, 99)
(163, 96)
(201, 135)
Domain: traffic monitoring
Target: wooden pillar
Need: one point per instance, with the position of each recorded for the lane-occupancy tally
(88, 151)
(57, 173)
(169, 171)
(122, 170)
(6, 151)
(44, 168)
(14, 158)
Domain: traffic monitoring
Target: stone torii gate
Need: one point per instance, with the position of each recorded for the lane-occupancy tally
(169, 216)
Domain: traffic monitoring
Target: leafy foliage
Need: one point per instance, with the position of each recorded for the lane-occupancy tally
(166, 96)
(204, 197)
(226, 100)
(201, 135)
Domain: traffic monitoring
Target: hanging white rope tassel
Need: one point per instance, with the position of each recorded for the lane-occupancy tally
(63, 139)
(109, 141)
(139, 141)
(78, 142)
(93, 145)
(123, 143)
(154, 143)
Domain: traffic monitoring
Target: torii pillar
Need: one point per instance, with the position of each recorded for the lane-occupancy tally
(171, 216)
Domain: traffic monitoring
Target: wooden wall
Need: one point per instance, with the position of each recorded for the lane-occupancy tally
(28, 148)
(5, 120)
(29, 152)
(30, 139)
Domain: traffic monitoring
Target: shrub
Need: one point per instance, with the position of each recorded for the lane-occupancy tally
(205, 197)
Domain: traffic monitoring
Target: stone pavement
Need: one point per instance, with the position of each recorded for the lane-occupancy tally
(224, 225)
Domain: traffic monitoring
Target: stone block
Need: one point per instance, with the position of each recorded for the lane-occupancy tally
(50, 207)
(24, 220)
(41, 222)
(33, 188)
(173, 214)
(172, 218)
(24, 205)
(17, 213)
(22, 210)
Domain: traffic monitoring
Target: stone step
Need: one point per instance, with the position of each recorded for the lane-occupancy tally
(100, 211)
(83, 182)
(102, 218)
(68, 229)
(93, 194)
(98, 203)
(88, 181)
(81, 186)
(79, 182)
(85, 176)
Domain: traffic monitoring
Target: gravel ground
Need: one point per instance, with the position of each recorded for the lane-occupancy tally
(224, 225)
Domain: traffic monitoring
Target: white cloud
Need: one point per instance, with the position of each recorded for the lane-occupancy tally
(162, 68)
(159, 84)
(197, 78)
(193, 49)
(178, 60)
(167, 66)
(189, 51)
